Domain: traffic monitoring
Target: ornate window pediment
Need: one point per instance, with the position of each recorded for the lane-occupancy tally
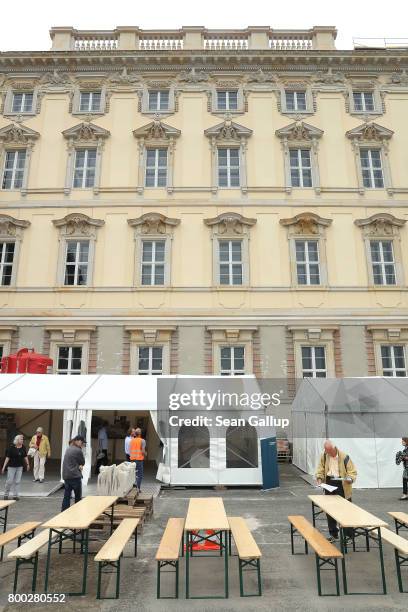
(306, 224)
(299, 131)
(157, 132)
(380, 225)
(86, 133)
(228, 131)
(370, 132)
(11, 227)
(78, 225)
(230, 224)
(153, 223)
(18, 135)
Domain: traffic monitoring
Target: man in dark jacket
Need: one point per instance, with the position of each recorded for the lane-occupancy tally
(72, 467)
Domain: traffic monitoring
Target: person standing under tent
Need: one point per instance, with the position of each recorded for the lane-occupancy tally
(16, 457)
(402, 457)
(103, 445)
(138, 454)
(42, 449)
(130, 435)
(72, 467)
(336, 469)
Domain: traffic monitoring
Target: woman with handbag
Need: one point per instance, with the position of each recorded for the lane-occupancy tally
(16, 457)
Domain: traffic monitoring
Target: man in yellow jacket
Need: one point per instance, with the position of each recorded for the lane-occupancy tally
(337, 469)
(41, 445)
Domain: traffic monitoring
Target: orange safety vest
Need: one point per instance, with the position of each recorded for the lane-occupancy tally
(136, 449)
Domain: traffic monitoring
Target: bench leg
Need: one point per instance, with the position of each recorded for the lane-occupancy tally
(293, 532)
(116, 566)
(175, 565)
(253, 565)
(320, 563)
(98, 587)
(16, 576)
(118, 579)
(400, 561)
(35, 569)
(33, 561)
(136, 542)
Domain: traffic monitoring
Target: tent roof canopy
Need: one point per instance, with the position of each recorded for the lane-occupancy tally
(352, 395)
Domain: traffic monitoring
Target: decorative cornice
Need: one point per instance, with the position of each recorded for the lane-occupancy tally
(380, 224)
(87, 132)
(153, 223)
(299, 131)
(9, 226)
(78, 223)
(17, 135)
(228, 130)
(230, 223)
(306, 223)
(367, 132)
(156, 130)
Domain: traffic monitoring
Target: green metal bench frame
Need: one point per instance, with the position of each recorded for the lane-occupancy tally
(175, 565)
(247, 565)
(116, 567)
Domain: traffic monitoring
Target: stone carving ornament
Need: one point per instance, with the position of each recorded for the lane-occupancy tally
(9, 226)
(78, 224)
(230, 223)
(193, 76)
(306, 224)
(153, 223)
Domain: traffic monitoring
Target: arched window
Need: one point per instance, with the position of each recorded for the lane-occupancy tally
(242, 447)
(193, 447)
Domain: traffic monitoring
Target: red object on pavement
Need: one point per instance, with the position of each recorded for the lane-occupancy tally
(25, 361)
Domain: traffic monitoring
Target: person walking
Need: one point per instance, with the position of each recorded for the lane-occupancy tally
(402, 457)
(103, 445)
(72, 467)
(336, 469)
(16, 458)
(138, 454)
(41, 445)
(130, 435)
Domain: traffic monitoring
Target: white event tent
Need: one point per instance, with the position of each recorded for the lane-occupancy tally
(364, 417)
(79, 396)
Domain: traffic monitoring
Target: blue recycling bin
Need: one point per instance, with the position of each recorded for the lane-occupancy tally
(269, 457)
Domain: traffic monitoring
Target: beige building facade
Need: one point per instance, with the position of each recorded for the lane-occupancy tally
(205, 202)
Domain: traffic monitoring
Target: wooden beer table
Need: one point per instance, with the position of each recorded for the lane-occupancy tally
(74, 521)
(361, 522)
(206, 514)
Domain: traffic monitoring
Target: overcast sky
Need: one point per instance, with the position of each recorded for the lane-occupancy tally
(25, 25)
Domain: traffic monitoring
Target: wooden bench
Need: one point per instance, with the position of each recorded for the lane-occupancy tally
(168, 552)
(249, 555)
(112, 551)
(25, 531)
(400, 520)
(400, 545)
(27, 554)
(326, 553)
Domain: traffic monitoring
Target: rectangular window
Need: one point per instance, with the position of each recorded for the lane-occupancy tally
(300, 168)
(363, 101)
(6, 262)
(228, 168)
(153, 261)
(90, 101)
(382, 260)
(14, 166)
(307, 262)
(230, 260)
(295, 100)
(76, 262)
(371, 168)
(150, 360)
(69, 360)
(227, 100)
(313, 362)
(232, 360)
(158, 100)
(22, 102)
(156, 167)
(84, 170)
(393, 360)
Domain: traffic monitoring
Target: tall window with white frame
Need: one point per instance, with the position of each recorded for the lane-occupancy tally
(228, 167)
(300, 168)
(227, 100)
(7, 250)
(232, 360)
(393, 360)
(84, 169)
(307, 262)
(69, 360)
(90, 101)
(295, 100)
(22, 102)
(159, 100)
(150, 360)
(156, 167)
(76, 263)
(230, 262)
(313, 362)
(371, 168)
(153, 262)
(383, 262)
(363, 101)
(13, 171)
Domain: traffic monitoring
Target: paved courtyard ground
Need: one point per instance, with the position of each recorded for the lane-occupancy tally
(289, 583)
